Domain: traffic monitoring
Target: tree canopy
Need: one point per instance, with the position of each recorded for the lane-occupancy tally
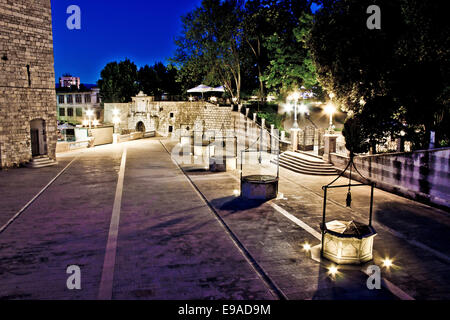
(121, 81)
(394, 79)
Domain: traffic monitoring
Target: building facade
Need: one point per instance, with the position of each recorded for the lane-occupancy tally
(166, 118)
(69, 81)
(28, 125)
(72, 106)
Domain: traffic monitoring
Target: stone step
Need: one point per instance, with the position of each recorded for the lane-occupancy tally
(309, 154)
(307, 169)
(307, 166)
(304, 171)
(305, 161)
(41, 162)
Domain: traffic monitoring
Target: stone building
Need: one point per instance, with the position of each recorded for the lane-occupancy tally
(69, 81)
(28, 126)
(72, 106)
(167, 118)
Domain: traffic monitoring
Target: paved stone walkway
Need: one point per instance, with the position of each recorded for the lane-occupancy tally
(172, 246)
(414, 235)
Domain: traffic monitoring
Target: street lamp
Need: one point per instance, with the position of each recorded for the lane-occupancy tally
(303, 109)
(295, 97)
(330, 109)
(90, 113)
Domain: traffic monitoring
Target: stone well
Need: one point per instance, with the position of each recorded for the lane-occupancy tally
(259, 187)
(348, 242)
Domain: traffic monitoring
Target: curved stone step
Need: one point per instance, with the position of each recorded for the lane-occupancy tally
(305, 167)
(308, 169)
(303, 171)
(305, 162)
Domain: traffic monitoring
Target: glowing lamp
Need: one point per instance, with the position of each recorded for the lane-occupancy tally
(387, 263)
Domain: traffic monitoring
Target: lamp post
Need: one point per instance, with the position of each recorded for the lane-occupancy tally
(90, 113)
(295, 97)
(116, 120)
(330, 109)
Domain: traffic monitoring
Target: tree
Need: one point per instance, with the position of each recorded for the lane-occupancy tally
(256, 30)
(211, 44)
(119, 82)
(158, 79)
(407, 61)
(290, 65)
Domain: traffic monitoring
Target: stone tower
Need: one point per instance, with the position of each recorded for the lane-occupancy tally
(28, 126)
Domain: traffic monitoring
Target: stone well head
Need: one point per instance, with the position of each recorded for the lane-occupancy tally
(348, 242)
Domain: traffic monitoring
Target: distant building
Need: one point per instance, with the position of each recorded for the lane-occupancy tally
(28, 126)
(72, 106)
(69, 81)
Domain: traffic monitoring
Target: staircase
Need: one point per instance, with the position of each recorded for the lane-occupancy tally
(41, 162)
(306, 164)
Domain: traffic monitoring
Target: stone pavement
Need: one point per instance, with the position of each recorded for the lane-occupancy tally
(171, 245)
(414, 235)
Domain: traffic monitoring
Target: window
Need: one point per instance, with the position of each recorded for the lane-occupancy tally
(70, 99)
(62, 112)
(61, 99)
(78, 99)
(87, 98)
(172, 114)
(79, 112)
(98, 99)
(170, 129)
(98, 114)
(70, 112)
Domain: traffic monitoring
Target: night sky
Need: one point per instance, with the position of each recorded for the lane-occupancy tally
(142, 30)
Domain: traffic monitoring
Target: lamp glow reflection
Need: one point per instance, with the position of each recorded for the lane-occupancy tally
(330, 109)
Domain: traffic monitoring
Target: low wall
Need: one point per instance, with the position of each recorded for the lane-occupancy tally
(64, 146)
(422, 175)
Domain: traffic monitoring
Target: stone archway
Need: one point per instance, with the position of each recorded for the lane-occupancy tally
(38, 135)
(140, 127)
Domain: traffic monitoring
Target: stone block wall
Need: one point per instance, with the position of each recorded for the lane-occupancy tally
(420, 175)
(159, 116)
(27, 80)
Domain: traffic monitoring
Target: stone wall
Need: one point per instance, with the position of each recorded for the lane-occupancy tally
(420, 175)
(27, 80)
(159, 116)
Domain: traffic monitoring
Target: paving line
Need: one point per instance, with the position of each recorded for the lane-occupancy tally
(275, 290)
(25, 207)
(384, 228)
(399, 293)
(106, 283)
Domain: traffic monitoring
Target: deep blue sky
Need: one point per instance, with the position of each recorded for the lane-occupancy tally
(112, 30)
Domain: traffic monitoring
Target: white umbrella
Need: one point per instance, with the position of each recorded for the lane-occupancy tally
(219, 89)
(200, 89)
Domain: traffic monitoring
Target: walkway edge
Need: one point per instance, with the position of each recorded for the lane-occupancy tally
(25, 207)
(275, 290)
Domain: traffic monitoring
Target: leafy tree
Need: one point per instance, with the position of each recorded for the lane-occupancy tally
(407, 61)
(158, 79)
(119, 82)
(211, 44)
(290, 65)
